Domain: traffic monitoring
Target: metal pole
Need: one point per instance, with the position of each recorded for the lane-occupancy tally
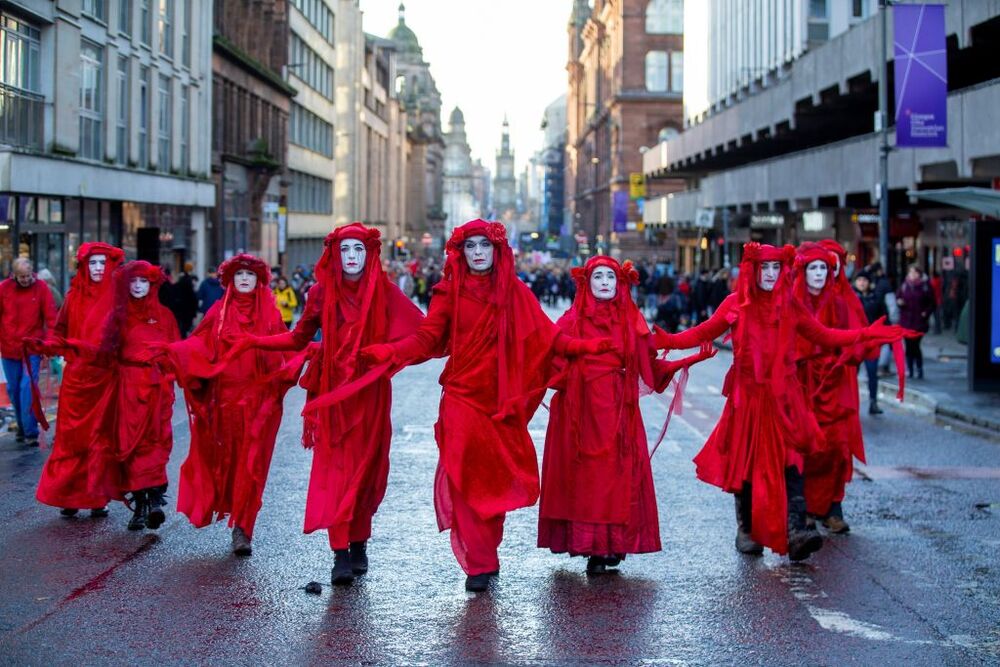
(883, 109)
(725, 238)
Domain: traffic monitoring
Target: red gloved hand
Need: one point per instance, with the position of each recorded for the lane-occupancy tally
(378, 353)
(707, 351)
(879, 331)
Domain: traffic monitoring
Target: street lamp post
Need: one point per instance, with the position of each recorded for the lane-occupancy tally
(883, 111)
(594, 250)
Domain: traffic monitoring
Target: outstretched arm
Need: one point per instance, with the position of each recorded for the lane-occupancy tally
(705, 332)
(421, 344)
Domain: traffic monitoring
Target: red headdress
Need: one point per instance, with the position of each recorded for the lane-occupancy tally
(127, 308)
(806, 254)
(518, 317)
(90, 302)
(843, 287)
(253, 307)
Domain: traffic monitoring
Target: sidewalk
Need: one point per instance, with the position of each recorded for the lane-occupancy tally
(944, 389)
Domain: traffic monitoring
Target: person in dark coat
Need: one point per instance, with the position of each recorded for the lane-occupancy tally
(916, 303)
(874, 309)
(209, 291)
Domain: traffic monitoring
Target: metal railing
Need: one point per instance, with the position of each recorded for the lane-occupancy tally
(21, 117)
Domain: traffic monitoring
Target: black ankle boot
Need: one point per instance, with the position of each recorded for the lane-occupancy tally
(154, 496)
(359, 557)
(342, 574)
(873, 408)
(477, 583)
(140, 511)
(803, 540)
(744, 543)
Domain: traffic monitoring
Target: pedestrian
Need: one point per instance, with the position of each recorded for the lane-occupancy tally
(185, 299)
(937, 288)
(874, 309)
(27, 311)
(209, 291)
(234, 414)
(498, 342)
(355, 305)
(831, 383)
(86, 383)
(50, 280)
(284, 295)
(916, 303)
(597, 494)
(132, 452)
(755, 451)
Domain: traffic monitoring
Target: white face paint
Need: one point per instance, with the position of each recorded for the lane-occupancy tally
(245, 281)
(603, 283)
(769, 272)
(352, 256)
(816, 273)
(478, 253)
(96, 265)
(138, 287)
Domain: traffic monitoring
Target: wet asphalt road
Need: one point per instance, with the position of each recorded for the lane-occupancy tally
(918, 580)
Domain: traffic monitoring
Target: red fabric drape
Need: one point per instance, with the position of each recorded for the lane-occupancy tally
(84, 392)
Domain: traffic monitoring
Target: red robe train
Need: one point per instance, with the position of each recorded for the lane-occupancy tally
(136, 437)
(84, 392)
(767, 423)
(597, 494)
(234, 408)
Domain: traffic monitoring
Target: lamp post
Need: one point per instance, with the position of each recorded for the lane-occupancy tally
(883, 125)
(594, 250)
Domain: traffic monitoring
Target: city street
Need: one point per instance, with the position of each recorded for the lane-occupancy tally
(915, 582)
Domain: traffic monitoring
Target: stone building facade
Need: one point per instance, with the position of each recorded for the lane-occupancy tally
(460, 203)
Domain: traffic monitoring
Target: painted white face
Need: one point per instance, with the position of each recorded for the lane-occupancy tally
(478, 253)
(138, 287)
(603, 283)
(352, 256)
(245, 281)
(816, 273)
(769, 272)
(96, 265)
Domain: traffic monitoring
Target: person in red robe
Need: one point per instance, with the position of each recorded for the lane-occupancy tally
(234, 415)
(355, 304)
(499, 345)
(136, 436)
(830, 380)
(85, 383)
(756, 449)
(597, 494)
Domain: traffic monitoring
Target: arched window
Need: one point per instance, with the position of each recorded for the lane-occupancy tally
(665, 17)
(656, 71)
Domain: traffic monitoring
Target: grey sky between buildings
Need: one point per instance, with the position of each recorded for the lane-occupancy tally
(489, 57)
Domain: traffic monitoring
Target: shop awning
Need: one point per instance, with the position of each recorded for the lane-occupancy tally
(980, 200)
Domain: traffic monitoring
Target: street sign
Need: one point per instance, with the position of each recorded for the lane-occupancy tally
(636, 185)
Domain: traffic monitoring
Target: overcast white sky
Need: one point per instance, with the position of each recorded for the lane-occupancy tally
(488, 57)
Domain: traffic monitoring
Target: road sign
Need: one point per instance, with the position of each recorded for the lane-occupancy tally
(636, 185)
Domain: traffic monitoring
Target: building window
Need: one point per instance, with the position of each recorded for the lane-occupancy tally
(21, 102)
(186, 34)
(310, 131)
(165, 27)
(310, 194)
(144, 21)
(125, 17)
(859, 9)
(164, 124)
(817, 9)
(676, 71)
(96, 8)
(665, 17)
(185, 128)
(121, 125)
(144, 117)
(308, 66)
(656, 71)
(319, 15)
(91, 100)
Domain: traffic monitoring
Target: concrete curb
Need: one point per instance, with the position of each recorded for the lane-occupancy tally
(925, 400)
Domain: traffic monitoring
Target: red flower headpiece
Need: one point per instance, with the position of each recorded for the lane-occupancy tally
(140, 268)
(83, 253)
(810, 252)
(367, 235)
(625, 271)
(494, 231)
(246, 261)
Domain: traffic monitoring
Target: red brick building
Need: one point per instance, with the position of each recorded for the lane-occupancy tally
(250, 104)
(625, 71)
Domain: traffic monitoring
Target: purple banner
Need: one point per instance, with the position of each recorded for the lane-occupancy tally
(619, 211)
(921, 70)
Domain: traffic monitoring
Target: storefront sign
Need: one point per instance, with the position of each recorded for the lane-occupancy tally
(619, 211)
(816, 221)
(704, 218)
(767, 220)
(921, 72)
(636, 185)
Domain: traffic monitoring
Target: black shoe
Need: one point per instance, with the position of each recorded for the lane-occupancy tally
(596, 565)
(874, 409)
(359, 557)
(31, 441)
(140, 511)
(920, 374)
(744, 543)
(477, 583)
(98, 512)
(342, 574)
(19, 437)
(68, 512)
(156, 501)
(803, 543)
(241, 542)
(803, 539)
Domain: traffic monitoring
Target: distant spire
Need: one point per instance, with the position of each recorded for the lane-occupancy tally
(402, 13)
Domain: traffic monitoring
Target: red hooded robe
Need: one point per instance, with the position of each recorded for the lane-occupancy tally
(136, 437)
(84, 394)
(597, 494)
(234, 417)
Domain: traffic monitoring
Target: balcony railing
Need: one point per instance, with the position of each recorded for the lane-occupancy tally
(21, 118)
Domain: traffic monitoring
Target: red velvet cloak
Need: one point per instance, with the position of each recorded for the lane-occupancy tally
(84, 393)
